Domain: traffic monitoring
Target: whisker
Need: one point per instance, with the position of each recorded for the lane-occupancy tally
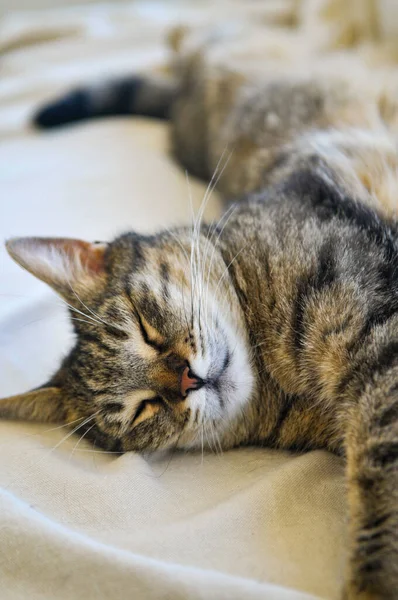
(96, 316)
(192, 243)
(172, 454)
(171, 232)
(86, 307)
(73, 308)
(184, 307)
(30, 435)
(79, 440)
(59, 426)
(188, 263)
(212, 435)
(206, 197)
(87, 420)
(211, 187)
(202, 442)
(216, 438)
(227, 269)
(207, 437)
(81, 320)
(231, 211)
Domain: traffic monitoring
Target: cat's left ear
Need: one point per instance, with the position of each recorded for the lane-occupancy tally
(69, 266)
(43, 405)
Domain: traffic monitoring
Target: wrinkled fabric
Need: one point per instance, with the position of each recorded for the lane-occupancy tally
(75, 522)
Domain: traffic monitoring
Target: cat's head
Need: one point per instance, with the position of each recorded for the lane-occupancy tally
(161, 354)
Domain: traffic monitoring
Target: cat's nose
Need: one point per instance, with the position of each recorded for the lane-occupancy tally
(190, 381)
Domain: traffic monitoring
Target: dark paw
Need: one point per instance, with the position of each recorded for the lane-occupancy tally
(68, 109)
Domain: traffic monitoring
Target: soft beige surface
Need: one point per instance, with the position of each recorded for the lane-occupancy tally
(76, 523)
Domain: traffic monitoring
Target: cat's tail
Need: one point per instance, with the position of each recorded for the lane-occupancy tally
(146, 96)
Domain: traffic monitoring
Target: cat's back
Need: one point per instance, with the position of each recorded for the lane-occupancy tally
(307, 223)
(252, 105)
(317, 275)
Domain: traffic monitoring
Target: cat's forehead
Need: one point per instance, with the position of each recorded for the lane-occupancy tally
(159, 264)
(157, 279)
(170, 243)
(160, 290)
(163, 263)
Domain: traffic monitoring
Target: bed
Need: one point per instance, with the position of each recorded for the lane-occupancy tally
(75, 522)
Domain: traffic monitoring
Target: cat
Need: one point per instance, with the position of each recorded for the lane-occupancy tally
(277, 326)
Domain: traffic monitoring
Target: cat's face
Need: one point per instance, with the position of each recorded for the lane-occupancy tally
(161, 357)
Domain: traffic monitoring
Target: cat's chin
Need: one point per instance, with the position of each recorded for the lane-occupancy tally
(236, 383)
(221, 401)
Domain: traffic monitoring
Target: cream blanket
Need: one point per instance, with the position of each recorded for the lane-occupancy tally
(77, 523)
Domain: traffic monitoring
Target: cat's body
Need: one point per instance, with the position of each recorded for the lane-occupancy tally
(277, 327)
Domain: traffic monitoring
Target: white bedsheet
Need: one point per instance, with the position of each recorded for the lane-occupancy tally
(77, 523)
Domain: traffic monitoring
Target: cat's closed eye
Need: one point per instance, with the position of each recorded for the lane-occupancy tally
(147, 408)
(151, 336)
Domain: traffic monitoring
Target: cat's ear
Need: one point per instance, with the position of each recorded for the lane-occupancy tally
(67, 265)
(44, 405)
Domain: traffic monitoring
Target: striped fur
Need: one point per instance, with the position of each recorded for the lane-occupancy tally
(288, 309)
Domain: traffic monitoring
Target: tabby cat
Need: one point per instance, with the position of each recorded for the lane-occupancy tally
(279, 325)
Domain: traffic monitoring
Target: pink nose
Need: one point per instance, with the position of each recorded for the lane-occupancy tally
(189, 381)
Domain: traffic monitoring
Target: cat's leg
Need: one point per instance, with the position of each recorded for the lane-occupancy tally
(149, 96)
(372, 478)
(330, 340)
(356, 414)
